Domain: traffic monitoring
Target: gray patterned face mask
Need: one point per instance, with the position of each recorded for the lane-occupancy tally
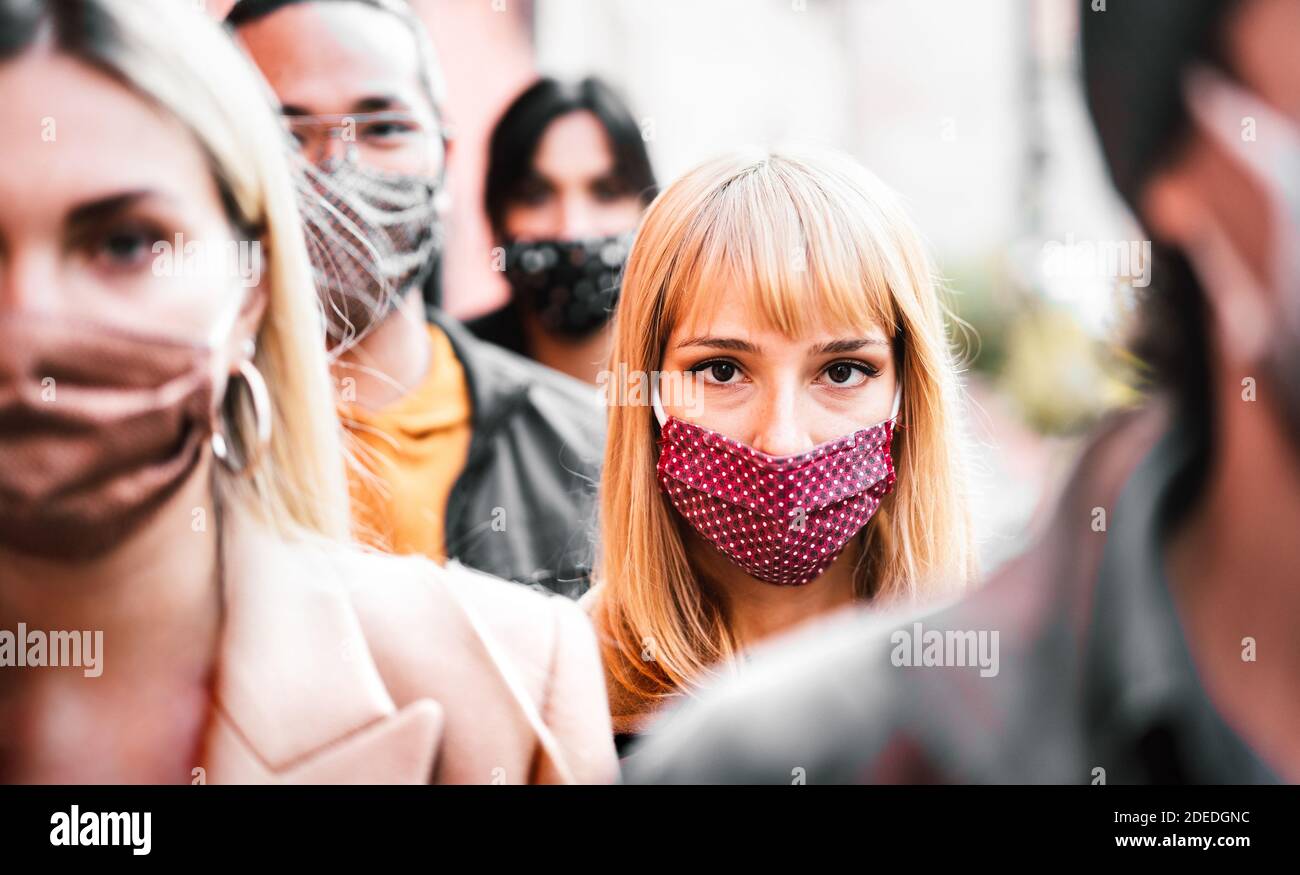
(373, 236)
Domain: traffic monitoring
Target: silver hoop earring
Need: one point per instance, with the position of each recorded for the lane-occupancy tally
(252, 378)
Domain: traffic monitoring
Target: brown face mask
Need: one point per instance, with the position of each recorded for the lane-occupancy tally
(99, 427)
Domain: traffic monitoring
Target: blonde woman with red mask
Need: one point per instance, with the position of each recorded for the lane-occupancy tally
(801, 450)
(171, 481)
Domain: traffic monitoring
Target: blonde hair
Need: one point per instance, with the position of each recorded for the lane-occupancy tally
(170, 53)
(811, 238)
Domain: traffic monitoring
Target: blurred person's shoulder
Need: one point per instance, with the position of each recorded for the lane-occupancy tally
(501, 327)
(522, 508)
(1113, 452)
(869, 694)
(500, 659)
(789, 715)
(341, 663)
(505, 383)
(409, 605)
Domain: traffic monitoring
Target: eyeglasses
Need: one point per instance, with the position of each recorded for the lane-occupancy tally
(400, 142)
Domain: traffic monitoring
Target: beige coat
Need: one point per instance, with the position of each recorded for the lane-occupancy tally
(344, 667)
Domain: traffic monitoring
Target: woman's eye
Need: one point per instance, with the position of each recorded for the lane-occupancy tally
(717, 372)
(849, 373)
(124, 248)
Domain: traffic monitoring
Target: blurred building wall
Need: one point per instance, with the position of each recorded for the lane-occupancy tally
(487, 55)
(924, 93)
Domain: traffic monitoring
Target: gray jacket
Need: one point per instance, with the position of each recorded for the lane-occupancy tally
(523, 508)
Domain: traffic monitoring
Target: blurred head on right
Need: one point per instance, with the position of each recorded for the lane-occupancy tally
(1197, 107)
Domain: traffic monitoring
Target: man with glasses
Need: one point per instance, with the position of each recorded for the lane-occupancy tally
(467, 452)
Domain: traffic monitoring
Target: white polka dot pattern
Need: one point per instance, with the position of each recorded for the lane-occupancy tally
(783, 519)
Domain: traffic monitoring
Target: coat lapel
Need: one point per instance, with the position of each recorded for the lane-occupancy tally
(299, 697)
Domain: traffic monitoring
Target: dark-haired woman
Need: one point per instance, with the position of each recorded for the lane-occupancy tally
(568, 177)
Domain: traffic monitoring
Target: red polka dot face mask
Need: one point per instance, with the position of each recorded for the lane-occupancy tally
(784, 519)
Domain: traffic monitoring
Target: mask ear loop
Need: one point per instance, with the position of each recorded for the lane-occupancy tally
(1216, 103)
(655, 403)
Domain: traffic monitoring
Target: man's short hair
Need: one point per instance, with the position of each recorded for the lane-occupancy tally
(247, 11)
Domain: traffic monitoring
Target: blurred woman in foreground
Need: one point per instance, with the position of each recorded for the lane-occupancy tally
(170, 474)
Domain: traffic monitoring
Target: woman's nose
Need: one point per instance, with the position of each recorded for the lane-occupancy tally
(780, 430)
(28, 282)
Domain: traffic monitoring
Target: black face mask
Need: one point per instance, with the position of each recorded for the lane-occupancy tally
(571, 285)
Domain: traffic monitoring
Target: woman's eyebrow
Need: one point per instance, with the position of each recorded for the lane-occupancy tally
(850, 344)
(99, 209)
(728, 343)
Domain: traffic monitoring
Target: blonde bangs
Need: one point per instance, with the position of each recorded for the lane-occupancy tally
(777, 237)
(811, 243)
